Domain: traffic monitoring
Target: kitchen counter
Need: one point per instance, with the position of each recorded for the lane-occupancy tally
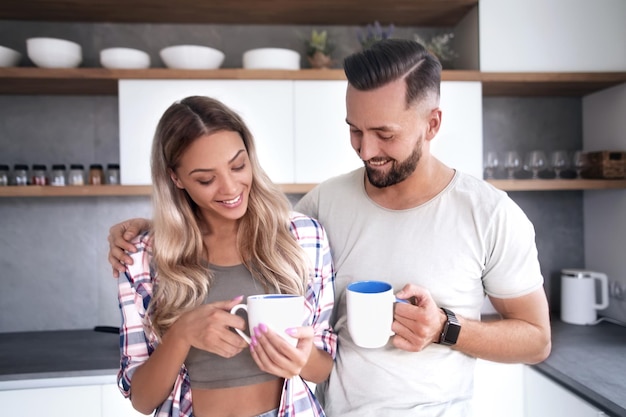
(590, 362)
(38, 359)
(587, 360)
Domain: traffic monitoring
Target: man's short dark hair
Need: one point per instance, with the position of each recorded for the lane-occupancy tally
(391, 59)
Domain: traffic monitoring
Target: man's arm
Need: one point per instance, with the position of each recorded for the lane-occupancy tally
(522, 335)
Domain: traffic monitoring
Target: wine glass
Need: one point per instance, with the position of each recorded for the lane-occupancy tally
(579, 161)
(559, 161)
(511, 163)
(536, 162)
(491, 164)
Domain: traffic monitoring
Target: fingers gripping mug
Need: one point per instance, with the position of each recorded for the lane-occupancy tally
(370, 312)
(277, 311)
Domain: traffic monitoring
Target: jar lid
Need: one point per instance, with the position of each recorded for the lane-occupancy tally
(76, 166)
(4, 167)
(113, 166)
(58, 166)
(39, 167)
(21, 166)
(95, 166)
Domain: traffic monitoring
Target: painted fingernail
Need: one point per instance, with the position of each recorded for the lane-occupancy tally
(257, 332)
(291, 331)
(253, 342)
(263, 327)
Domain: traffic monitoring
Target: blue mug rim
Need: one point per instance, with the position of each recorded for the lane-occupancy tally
(273, 296)
(369, 287)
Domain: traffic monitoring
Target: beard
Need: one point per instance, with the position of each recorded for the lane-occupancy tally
(398, 172)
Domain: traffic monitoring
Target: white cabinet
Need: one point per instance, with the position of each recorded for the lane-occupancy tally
(266, 106)
(552, 35)
(76, 401)
(322, 138)
(299, 126)
(100, 400)
(114, 404)
(459, 143)
(546, 398)
(498, 389)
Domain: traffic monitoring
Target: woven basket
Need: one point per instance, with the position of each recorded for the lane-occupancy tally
(604, 165)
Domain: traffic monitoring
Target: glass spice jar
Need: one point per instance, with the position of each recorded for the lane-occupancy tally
(113, 174)
(4, 175)
(39, 175)
(76, 175)
(96, 176)
(20, 174)
(57, 175)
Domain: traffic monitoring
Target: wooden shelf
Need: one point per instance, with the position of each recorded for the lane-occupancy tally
(293, 12)
(145, 190)
(557, 185)
(576, 84)
(102, 81)
(109, 190)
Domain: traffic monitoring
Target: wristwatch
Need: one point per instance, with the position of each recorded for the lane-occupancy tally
(451, 329)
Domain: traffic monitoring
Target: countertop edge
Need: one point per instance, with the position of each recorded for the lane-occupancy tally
(579, 389)
(58, 379)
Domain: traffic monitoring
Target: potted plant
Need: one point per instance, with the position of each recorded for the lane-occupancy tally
(439, 46)
(373, 33)
(318, 49)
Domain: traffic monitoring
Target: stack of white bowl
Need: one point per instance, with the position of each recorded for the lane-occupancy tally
(191, 57)
(54, 52)
(271, 58)
(9, 57)
(124, 58)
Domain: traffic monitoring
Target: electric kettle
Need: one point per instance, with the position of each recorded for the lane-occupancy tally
(578, 295)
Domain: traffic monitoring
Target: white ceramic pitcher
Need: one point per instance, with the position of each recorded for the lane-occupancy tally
(578, 295)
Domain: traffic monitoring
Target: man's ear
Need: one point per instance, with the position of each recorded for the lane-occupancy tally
(175, 180)
(434, 123)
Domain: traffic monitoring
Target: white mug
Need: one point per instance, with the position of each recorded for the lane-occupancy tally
(277, 311)
(370, 312)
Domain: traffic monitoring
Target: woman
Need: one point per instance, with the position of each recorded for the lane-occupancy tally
(222, 230)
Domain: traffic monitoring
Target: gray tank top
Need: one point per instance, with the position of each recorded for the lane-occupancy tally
(210, 371)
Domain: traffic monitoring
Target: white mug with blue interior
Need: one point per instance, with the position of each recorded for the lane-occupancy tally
(370, 312)
(277, 311)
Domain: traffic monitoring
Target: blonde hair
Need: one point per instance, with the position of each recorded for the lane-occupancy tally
(266, 244)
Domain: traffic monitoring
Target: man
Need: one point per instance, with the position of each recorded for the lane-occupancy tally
(442, 238)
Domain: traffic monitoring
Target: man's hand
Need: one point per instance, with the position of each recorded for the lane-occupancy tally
(418, 324)
(119, 239)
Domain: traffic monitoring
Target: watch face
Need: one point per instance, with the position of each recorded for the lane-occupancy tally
(452, 332)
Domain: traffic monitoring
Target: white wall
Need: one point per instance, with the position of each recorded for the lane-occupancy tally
(552, 35)
(604, 128)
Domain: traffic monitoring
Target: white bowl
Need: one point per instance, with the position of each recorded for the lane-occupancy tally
(124, 58)
(54, 53)
(9, 57)
(191, 57)
(271, 58)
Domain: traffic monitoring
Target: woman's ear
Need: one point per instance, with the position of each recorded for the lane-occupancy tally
(175, 180)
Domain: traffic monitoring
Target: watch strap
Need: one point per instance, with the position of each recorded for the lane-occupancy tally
(451, 329)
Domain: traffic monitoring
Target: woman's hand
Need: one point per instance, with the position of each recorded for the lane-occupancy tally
(276, 356)
(119, 239)
(208, 328)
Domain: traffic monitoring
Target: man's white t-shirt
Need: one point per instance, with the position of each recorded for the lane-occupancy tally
(469, 240)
